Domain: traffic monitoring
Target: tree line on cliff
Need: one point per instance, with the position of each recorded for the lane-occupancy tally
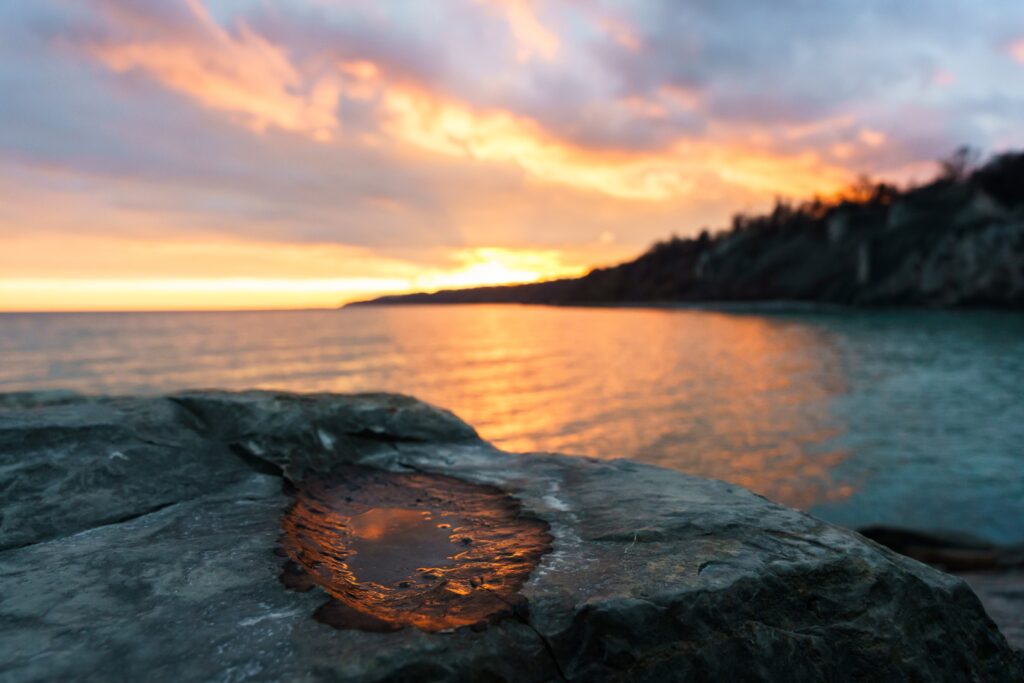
(955, 241)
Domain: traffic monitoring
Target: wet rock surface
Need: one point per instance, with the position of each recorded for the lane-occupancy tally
(138, 542)
(409, 549)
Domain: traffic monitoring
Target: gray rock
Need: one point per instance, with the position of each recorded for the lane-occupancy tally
(1002, 594)
(138, 542)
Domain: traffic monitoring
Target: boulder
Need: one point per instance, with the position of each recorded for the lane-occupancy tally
(140, 540)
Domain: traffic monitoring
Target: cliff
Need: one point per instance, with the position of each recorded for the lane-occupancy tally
(957, 241)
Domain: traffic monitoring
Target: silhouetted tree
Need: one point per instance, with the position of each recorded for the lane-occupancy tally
(957, 166)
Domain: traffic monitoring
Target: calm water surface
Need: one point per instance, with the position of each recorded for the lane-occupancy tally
(914, 419)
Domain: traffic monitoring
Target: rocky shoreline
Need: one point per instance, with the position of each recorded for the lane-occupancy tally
(955, 242)
(138, 541)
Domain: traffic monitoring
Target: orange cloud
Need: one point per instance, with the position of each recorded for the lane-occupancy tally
(363, 78)
(872, 138)
(248, 76)
(532, 37)
(768, 173)
(452, 129)
(242, 74)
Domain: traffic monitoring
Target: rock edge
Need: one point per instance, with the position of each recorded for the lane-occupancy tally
(137, 541)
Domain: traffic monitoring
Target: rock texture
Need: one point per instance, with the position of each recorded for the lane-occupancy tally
(995, 573)
(138, 542)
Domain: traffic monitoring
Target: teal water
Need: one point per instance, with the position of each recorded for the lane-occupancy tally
(913, 419)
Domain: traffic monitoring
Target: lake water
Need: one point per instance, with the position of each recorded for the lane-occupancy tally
(913, 419)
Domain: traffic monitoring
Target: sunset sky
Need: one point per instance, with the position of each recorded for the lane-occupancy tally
(182, 154)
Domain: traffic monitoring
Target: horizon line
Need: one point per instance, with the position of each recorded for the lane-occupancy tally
(171, 310)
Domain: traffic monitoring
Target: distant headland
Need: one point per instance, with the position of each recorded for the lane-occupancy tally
(955, 241)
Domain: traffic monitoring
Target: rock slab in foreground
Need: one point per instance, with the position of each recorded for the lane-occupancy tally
(137, 543)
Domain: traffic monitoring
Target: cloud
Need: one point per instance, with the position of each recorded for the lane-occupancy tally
(237, 71)
(620, 31)
(244, 73)
(532, 37)
(453, 130)
(1017, 51)
(405, 136)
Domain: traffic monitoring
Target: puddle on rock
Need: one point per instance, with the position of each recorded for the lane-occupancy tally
(398, 550)
(389, 545)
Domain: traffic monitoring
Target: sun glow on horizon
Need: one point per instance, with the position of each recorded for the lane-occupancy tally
(188, 154)
(482, 266)
(471, 267)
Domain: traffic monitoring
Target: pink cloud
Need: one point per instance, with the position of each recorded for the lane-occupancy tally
(237, 72)
(1016, 51)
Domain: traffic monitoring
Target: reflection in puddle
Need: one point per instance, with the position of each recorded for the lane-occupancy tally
(398, 550)
(390, 544)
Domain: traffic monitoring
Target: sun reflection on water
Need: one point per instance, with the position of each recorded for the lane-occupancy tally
(858, 416)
